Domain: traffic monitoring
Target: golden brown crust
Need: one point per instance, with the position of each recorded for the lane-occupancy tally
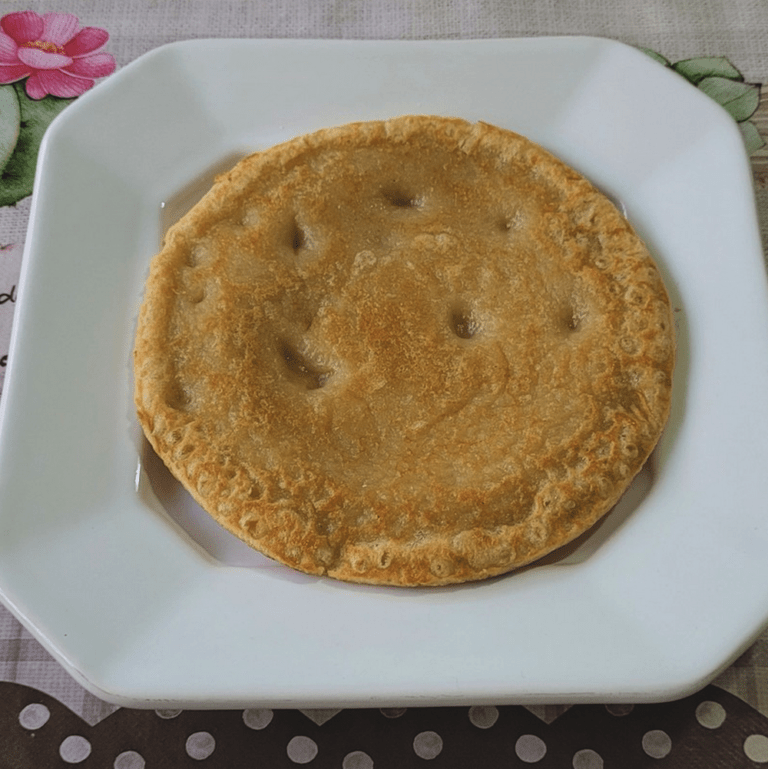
(415, 352)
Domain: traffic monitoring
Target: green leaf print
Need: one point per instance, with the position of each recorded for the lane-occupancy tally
(740, 99)
(695, 70)
(656, 56)
(10, 120)
(18, 175)
(752, 139)
(720, 80)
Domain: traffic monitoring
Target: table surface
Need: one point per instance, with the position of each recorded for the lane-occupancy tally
(47, 719)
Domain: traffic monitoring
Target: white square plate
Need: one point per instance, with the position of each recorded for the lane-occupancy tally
(148, 608)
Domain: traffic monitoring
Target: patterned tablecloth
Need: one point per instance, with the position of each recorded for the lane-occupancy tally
(46, 718)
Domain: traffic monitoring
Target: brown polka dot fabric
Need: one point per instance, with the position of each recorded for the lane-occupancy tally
(709, 729)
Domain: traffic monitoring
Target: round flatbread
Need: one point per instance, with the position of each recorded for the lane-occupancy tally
(413, 352)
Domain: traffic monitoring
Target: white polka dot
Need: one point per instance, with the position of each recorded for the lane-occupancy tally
(301, 750)
(168, 713)
(710, 715)
(75, 749)
(200, 745)
(756, 748)
(34, 716)
(587, 759)
(427, 745)
(257, 718)
(483, 717)
(393, 712)
(130, 759)
(530, 748)
(657, 744)
(357, 760)
(619, 710)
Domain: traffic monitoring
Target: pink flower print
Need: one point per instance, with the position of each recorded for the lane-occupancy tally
(52, 51)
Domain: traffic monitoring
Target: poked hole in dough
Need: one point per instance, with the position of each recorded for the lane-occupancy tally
(197, 255)
(196, 294)
(301, 369)
(463, 321)
(293, 236)
(177, 397)
(298, 237)
(571, 319)
(256, 490)
(574, 315)
(401, 197)
(509, 219)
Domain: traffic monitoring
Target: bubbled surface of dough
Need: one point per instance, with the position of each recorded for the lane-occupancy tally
(411, 352)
